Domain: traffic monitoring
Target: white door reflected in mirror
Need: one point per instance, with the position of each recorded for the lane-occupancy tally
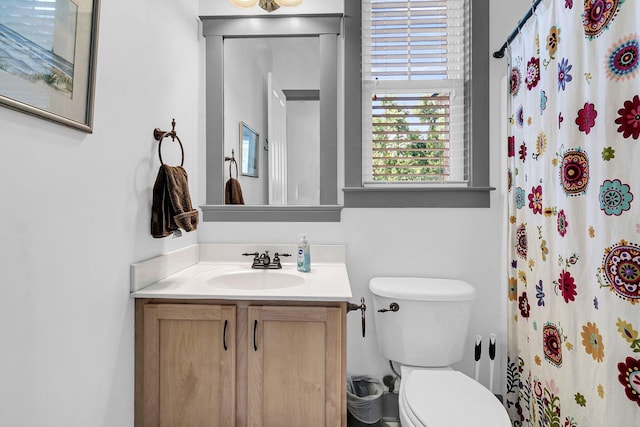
(277, 142)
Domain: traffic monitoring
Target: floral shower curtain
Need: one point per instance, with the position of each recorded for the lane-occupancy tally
(574, 216)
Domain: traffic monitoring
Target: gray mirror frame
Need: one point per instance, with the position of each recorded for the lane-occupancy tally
(215, 29)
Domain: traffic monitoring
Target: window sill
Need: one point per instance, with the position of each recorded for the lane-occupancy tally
(438, 197)
(271, 213)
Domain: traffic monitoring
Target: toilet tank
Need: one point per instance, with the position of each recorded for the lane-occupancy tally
(431, 323)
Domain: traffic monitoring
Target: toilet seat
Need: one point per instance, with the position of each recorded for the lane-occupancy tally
(447, 398)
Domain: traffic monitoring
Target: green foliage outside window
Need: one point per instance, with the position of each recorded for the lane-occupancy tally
(410, 138)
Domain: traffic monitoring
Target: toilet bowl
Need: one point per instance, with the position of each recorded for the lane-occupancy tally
(439, 398)
(422, 323)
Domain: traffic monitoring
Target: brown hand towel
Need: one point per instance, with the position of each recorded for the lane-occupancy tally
(233, 192)
(171, 207)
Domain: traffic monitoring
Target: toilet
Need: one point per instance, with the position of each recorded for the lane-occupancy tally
(422, 324)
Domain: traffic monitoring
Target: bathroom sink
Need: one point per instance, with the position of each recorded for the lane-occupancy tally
(257, 280)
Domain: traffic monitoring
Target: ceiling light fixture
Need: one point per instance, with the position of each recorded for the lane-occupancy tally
(289, 3)
(268, 5)
(243, 3)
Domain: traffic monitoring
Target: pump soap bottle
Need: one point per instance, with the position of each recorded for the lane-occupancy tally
(304, 258)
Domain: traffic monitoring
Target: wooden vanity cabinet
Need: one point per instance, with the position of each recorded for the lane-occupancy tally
(294, 365)
(185, 365)
(271, 365)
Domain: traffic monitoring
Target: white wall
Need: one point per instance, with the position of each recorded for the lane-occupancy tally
(75, 214)
(303, 152)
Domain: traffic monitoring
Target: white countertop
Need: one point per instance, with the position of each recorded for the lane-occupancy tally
(327, 281)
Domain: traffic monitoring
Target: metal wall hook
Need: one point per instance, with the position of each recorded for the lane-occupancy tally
(232, 161)
(362, 307)
(159, 135)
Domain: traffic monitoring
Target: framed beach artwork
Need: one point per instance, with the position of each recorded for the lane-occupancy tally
(48, 59)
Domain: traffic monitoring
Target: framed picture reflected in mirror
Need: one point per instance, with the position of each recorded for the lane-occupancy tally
(248, 151)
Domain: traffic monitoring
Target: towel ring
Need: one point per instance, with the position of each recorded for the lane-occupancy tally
(172, 135)
(231, 160)
(235, 163)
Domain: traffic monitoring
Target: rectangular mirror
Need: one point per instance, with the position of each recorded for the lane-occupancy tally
(248, 151)
(239, 88)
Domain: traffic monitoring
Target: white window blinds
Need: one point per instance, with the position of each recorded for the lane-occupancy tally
(413, 58)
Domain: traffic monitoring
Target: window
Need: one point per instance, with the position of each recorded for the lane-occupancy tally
(413, 54)
(417, 103)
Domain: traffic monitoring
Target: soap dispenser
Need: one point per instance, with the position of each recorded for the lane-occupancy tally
(304, 258)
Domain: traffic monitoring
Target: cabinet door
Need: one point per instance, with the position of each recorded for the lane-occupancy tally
(189, 365)
(295, 366)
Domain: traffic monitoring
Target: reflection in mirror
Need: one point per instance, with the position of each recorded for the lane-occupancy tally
(248, 151)
(273, 83)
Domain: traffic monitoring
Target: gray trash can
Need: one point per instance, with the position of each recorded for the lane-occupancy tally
(364, 401)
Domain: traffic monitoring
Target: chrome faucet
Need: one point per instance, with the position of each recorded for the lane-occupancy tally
(263, 260)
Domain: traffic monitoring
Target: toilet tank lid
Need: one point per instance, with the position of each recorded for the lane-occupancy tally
(422, 288)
